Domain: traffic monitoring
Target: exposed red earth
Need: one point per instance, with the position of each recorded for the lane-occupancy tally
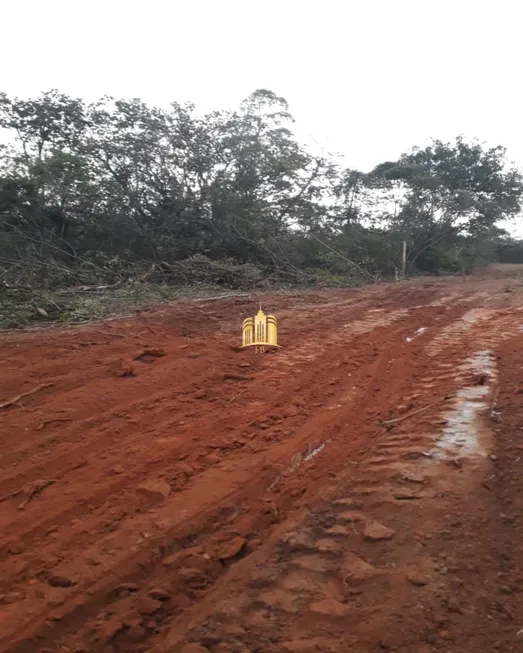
(359, 490)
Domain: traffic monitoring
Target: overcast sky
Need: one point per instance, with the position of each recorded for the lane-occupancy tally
(366, 78)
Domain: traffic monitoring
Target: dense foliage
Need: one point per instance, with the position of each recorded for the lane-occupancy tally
(116, 188)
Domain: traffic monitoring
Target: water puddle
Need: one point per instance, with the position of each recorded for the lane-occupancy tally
(461, 434)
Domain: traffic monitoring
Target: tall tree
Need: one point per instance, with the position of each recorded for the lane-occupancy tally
(451, 189)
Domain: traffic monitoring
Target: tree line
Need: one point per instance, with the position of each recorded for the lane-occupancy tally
(114, 186)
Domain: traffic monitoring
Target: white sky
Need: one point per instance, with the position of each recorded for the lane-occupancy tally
(365, 78)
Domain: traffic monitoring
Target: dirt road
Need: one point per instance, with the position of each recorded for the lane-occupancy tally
(359, 490)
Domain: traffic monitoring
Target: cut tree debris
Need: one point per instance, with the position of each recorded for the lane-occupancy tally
(107, 333)
(29, 491)
(15, 400)
(403, 417)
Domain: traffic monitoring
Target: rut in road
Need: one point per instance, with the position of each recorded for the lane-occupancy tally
(229, 500)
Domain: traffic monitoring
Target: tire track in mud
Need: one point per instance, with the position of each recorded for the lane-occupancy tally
(380, 364)
(117, 484)
(319, 566)
(81, 610)
(255, 506)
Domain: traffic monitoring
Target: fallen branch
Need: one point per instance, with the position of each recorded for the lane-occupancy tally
(236, 396)
(485, 483)
(32, 491)
(411, 414)
(78, 289)
(358, 267)
(105, 333)
(209, 299)
(28, 491)
(15, 400)
(50, 421)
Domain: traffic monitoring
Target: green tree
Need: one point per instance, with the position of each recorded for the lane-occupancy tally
(450, 190)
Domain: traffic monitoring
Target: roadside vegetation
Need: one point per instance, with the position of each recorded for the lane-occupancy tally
(108, 206)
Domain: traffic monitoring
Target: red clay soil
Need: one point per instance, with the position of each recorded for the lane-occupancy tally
(358, 490)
